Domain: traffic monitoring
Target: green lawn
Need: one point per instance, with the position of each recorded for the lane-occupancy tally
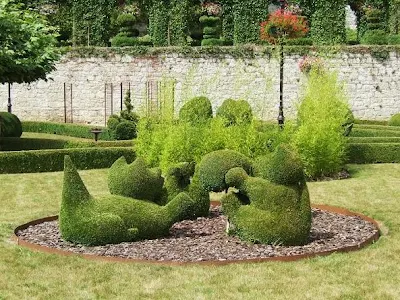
(372, 273)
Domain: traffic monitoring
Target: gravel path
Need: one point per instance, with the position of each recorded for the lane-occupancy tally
(205, 239)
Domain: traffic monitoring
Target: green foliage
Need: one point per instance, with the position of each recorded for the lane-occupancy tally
(394, 17)
(372, 132)
(211, 31)
(351, 36)
(28, 50)
(76, 130)
(113, 219)
(235, 112)
(248, 15)
(272, 214)
(215, 165)
(370, 153)
(285, 166)
(92, 21)
(158, 23)
(393, 39)
(212, 42)
(18, 144)
(177, 179)
(374, 37)
(123, 127)
(328, 22)
(228, 22)
(304, 41)
(178, 22)
(126, 130)
(196, 110)
(121, 40)
(135, 180)
(320, 138)
(395, 120)
(52, 160)
(10, 125)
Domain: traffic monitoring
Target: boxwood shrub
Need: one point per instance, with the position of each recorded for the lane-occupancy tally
(53, 160)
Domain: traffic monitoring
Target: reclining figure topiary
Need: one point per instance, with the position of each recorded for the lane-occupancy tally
(114, 218)
(271, 210)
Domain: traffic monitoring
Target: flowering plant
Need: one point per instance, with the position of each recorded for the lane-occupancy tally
(309, 62)
(283, 24)
(212, 9)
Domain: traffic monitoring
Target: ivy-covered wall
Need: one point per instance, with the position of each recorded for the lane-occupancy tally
(329, 22)
(93, 77)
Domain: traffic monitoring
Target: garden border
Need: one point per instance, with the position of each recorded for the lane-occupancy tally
(19, 241)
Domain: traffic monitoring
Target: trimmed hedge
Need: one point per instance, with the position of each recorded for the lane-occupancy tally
(377, 127)
(370, 122)
(373, 140)
(374, 153)
(19, 144)
(53, 160)
(76, 130)
(235, 112)
(361, 132)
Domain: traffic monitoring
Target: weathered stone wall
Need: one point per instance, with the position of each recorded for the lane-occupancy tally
(373, 86)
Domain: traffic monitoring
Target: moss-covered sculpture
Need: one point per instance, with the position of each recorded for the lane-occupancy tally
(114, 219)
(275, 211)
(135, 180)
(213, 167)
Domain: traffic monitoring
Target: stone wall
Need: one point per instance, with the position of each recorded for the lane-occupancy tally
(373, 86)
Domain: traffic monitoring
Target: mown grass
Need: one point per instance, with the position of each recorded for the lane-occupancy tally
(372, 273)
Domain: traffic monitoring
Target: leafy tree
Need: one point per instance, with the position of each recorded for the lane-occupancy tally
(28, 45)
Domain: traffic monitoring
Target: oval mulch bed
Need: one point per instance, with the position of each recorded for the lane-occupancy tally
(204, 240)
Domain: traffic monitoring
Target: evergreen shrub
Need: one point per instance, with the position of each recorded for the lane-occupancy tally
(196, 110)
(395, 120)
(235, 112)
(10, 125)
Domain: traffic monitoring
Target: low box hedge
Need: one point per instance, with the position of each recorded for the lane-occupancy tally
(53, 160)
(19, 144)
(76, 130)
(373, 140)
(361, 132)
(362, 153)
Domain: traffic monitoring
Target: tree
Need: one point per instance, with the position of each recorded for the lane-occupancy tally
(28, 49)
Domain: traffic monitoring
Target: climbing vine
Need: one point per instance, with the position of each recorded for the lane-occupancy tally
(248, 14)
(91, 21)
(329, 22)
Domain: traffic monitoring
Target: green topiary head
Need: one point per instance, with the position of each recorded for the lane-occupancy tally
(285, 166)
(214, 166)
(125, 130)
(10, 125)
(395, 120)
(235, 177)
(135, 180)
(235, 112)
(196, 110)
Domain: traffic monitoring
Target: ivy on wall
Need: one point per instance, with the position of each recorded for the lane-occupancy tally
(91, 21)
(168, 22)
(394, 17)
(227, 21)
(329, 22)
(248, 14)
(158, 23)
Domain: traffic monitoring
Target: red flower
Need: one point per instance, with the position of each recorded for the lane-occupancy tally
(283, 24)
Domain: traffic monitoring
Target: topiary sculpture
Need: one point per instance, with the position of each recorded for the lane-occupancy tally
(235, 112)
(395, 120)
(196, 110)
(114, 219)
(215, 165)
(276, 211)
(135, 180)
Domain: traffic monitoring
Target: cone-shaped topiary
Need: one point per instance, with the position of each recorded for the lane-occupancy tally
(196, 110)
(114, 219)
(235, 112)
(213, 167)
